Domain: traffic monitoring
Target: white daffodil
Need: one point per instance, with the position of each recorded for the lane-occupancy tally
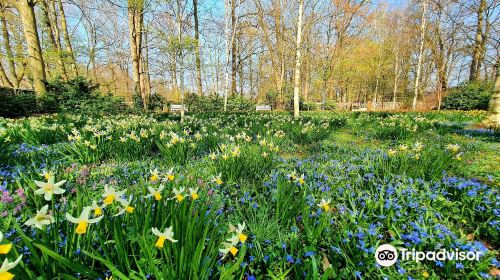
(83, 221)
(168, 234)
(193, 192)
(47, 174)
(239, 232)
(97, 208)
(170, 174)
(110, 195)
(50, 188)
(125, 206)
(156, 193)
(324, 204)
(5, 248)
(41, 218)
(179, 194)
(217, 179)
(154, 175)
(6, 266)
(228, 248)
(300, 180)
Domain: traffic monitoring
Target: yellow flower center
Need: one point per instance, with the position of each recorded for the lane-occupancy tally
(326, 207)
(82, 227)
(425, 274)
(154, 178)
(179, 197)
(218, 181)
(109, 199)
(170, 177)
(195, 196)
(5, 249)
(49, 187)
(233, 251)
(47, 176)
(129, 209)
(157, 196)
(6, 276)
(301, 181)
(242, 237)
(98, 211)
(160, 242)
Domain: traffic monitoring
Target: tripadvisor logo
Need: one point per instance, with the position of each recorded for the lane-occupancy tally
(387, 255)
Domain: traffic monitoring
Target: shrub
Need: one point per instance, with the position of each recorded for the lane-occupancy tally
(471, 96)
(213, 103)
(18, 104)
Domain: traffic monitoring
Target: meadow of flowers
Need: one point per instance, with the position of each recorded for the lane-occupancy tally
(247, 196)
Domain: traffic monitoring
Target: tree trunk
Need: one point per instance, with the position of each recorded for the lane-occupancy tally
(67, 41)
(494, 109)
(420, 54)
(476, 49)
(181, 58)
(27, 12)
(396, 77)
(50, 22)
(296, 88)
(228, 48)
(135, 9)
(10, 57)
(233, 46)
(197, 51)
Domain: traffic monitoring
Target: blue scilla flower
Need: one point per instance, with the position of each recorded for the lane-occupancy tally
(289, 259)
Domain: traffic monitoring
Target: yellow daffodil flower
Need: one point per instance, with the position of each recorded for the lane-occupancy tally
(47, 174)
(193, 192)
(41, 218)
(110, 195)
(6, 266)
(156, 193)
(125, 206)
(168, 234)
(5, 248)
(228, 248)
(154, 175)
(170, 174)
(239, 232)
(391, 152)
(50, 188)
(179, 194)
(324, 204)
(97, 208)
(83, 221)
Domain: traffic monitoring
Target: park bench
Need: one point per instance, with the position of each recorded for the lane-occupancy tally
(263, 108)
(177, 108)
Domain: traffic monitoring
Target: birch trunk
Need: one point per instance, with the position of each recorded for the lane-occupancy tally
(67, 41)
(296, 88)
(420, 54)
(197, 51)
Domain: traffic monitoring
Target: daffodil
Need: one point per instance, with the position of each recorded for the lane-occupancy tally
(193, 192)
(83, 221)
(403, 147)
(418, 147)
(239, 232)
(228, 248)
(125, 206)
(179, 194)
(300, 180)
(97, 208)
(4, 249)
(41, 218)
(110, 195)
(217, 179)
(168, 234)
(324, 204)
(212, 156)
(292, 176)
(458, 156)
(6, 266)
(170, 174)
(453, 148)
(391, 152)
(47, 174)
(156, 193)
(50, 188)
(154, 175)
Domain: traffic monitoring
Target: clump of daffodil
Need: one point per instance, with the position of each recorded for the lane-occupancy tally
(97, 208)
(168, 234)
(324, 204)
(217, 179)
(125, 206)
(156, 193)
(6, 266)
(418, 147)
(50, 188)
(238, 236)
(403, 147)
(5, 248)
(110, 195)
(154, 175)
(193, 193)
(179, 194)
(41, 218)
(83, 220)
(239, 232)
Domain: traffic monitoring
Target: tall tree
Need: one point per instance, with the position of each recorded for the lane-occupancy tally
(52, 29)
(135, 21)
(420, 53)
(478, 43)
(494, 117)
(14, 78)
(197, 51)
(296, 88)
(27, 12)
(67, 41)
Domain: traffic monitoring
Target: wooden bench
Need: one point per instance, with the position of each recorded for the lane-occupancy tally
(263, 108)
(177, 108)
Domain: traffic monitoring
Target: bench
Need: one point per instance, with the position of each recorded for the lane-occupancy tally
(177, 108)
(263, 108)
